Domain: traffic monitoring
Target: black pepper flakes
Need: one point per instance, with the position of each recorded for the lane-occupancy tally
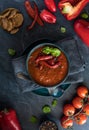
(48, 125)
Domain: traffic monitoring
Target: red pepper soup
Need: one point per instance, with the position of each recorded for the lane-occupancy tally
(47, 69)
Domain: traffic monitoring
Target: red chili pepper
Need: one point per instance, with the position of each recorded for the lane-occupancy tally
(44, 57)
(57, 64)
(51, 61)
(36, 16)
(71, 8)
(50, 5)
(47, 16)
(9, 121)
(31, 12)
(82, 29)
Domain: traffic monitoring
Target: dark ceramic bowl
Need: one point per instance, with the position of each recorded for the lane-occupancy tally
(41, 45)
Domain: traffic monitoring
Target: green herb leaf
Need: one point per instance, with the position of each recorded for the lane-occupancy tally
(54, 103)
(55, 52)
(33, 119)
(63, 29)
(84, 15)
(46, 109)
(11, 52)
(46, 50)
(51, 50)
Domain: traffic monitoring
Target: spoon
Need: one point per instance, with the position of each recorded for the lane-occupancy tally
(20, 75)
(54, 91)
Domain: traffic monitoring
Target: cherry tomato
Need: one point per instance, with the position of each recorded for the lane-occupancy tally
(86, 109)
(66, 122)
(82, 91)
(68, 110)
(77, 102)
(80, 119)
(88, 98)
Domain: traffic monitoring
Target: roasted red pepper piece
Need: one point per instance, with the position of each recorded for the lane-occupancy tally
(31, 12)
(49, 61)
(9, 120)
(71, 8)
(82, 29)
(44, 57)
(50, 5)
(47, 16)
(56, 65)
(36, 15)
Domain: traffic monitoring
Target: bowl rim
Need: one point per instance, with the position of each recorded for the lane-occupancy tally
(41, 45)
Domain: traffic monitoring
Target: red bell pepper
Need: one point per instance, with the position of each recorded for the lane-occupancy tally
(82, 29)
(50, 5)
(9, 120)
(71, 8)
(47, 16)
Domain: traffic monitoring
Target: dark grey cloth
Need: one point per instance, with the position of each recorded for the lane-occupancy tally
(76, 65)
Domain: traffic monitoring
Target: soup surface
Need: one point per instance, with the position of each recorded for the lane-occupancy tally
(44, 71)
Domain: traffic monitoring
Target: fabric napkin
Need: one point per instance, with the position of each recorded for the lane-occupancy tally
(76, 63)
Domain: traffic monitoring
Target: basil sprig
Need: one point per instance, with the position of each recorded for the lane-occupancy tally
(51, 50)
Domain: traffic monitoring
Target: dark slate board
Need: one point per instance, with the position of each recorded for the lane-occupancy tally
(29, 104)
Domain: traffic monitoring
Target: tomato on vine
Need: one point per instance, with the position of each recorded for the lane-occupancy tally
(86, 109)
(68, 110)
(66, 122)
(78, 102)
(80, 119)
(82, 91)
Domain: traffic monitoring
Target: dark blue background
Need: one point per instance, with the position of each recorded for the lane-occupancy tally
(29, 104)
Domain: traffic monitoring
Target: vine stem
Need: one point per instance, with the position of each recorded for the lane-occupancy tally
(84, 103)
(71, 117)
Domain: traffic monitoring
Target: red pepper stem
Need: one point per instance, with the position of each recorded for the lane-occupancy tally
(5, 110)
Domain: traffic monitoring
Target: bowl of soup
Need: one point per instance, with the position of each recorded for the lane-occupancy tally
(47, 65)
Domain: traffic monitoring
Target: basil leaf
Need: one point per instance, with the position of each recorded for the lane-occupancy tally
(63, 29)
(46, 109)
(33, 119)
(11, 52)
(54, 103)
